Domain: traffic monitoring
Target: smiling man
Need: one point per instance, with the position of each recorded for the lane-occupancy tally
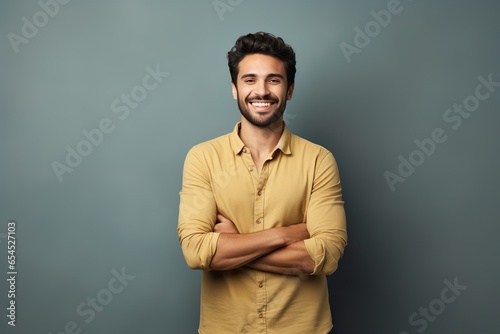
(261, 209)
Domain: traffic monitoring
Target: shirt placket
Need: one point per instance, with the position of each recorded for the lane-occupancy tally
(260, 181)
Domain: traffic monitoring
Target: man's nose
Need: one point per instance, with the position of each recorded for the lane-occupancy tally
(261, 88)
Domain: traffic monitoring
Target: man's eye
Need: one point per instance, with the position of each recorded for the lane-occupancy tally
(275, 81)
(249, 81)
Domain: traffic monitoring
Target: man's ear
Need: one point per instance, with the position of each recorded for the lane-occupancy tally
(290, 92)
(234, 91)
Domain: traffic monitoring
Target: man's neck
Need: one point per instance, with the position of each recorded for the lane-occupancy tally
(261, 140)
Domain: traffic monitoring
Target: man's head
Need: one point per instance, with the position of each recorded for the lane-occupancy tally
(266, 44)
(262, 71)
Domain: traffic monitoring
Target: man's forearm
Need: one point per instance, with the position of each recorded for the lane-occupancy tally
(235, 250)
(289, 260)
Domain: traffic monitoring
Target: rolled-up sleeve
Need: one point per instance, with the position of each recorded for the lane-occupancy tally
(197, 213)
(326, 221)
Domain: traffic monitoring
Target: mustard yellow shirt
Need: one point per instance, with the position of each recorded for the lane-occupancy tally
(299, 182)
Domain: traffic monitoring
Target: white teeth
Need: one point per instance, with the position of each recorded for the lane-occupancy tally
(261, 104)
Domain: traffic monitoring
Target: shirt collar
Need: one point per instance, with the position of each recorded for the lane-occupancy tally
(283, 144)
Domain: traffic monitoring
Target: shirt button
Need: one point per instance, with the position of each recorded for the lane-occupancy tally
(261, 315)
(258, 221)
(259, 193)
(261, 285)
(250, 168)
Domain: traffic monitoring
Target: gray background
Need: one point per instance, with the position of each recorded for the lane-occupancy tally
(118, 208)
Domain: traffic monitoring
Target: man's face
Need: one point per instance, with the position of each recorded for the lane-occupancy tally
(261, 89)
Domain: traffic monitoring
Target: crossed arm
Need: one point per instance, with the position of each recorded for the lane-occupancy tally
(278, 250)
(212, 242)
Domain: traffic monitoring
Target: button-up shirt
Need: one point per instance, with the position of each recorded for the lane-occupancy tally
(299, 182)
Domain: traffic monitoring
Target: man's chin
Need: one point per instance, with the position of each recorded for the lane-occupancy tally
(261, 119)
(263, 122)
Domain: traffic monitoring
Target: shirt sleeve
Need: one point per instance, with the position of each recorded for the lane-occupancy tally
(326, 221)
(197, 213)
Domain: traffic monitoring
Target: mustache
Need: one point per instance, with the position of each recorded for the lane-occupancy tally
(268, 98)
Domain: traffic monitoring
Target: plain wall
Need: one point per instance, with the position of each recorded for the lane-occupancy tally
(366, 98)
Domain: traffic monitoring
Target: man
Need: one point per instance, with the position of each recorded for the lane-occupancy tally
(261, 209)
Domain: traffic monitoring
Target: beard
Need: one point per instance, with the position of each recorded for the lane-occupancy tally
(260, 121)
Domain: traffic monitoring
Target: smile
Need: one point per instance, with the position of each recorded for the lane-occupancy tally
(261, 104)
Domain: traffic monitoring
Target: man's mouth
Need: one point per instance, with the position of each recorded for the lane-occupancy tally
(262, 105)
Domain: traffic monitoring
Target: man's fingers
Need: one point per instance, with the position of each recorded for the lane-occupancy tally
(221, 218)
(224, 225)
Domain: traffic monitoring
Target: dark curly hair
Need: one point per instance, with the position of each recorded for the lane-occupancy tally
(262, 43)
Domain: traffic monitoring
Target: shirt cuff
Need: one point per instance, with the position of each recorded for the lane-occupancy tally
(207, 258)
(323, 264)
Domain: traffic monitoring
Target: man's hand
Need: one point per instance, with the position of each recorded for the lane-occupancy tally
(224, 225)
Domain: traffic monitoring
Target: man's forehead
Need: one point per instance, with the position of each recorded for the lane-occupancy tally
(259, 64)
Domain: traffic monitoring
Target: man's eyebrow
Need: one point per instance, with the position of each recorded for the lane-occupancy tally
(270, 75)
